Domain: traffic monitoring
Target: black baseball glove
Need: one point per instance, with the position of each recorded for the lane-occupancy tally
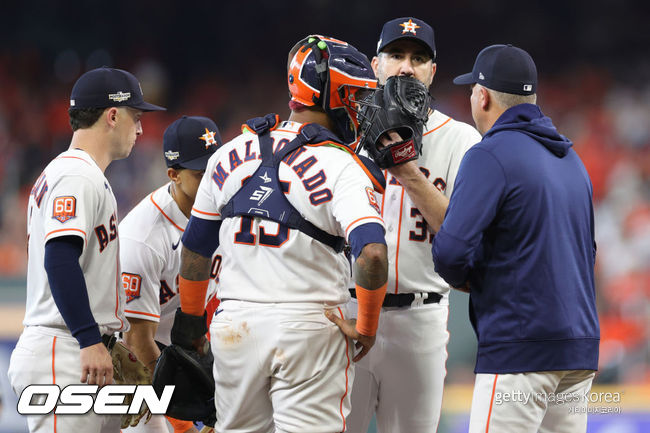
(402, 106)
(193, 397)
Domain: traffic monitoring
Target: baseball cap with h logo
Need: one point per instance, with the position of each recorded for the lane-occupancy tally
(407, 28)
(190, 141)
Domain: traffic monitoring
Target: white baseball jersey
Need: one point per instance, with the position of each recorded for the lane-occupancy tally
(150, 254)
(265, 263)
(412, 340)
(72, 197)
(410, 268)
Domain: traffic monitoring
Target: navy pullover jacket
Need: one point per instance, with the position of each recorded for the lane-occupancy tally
(520, 229)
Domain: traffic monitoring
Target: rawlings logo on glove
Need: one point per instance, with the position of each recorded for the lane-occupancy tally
(400, 106)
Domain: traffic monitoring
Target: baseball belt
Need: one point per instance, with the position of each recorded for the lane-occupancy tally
(407, 299)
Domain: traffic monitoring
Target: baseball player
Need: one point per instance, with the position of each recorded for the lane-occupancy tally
(401, 381)
(74, 297)
(280, 200)
(150, 255)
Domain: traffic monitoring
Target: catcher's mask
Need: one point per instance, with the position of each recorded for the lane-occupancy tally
(401, 97)
(334, 75)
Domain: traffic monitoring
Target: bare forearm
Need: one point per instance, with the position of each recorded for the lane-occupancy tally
(194, 266)
(431, 203)
(140, 339)
(371, 267)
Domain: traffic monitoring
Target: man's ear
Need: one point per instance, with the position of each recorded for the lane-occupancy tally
(172, 173)
(375, 64)
(484, 99)
(111, 116)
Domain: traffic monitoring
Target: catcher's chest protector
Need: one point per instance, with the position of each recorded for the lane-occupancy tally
(263, 194)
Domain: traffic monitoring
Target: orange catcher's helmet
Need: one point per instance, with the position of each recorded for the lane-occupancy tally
(334, 75)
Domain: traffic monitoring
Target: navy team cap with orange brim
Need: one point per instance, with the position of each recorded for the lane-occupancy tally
(107, 87)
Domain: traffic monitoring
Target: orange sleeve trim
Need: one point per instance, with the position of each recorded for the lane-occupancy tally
(347, 354)
(437, 127)
(142, 313)
(369, 305)
(179, 425)
(494, 387)
(205, 213)
(363, 218)
(67, 230)
(164, 214)
(192, 296)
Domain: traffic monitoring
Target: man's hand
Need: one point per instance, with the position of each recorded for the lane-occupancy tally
(96, 365)
(348, 327)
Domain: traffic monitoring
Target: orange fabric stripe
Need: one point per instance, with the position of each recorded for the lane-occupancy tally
(142, 312)
(65, 230)
(179, 425)
(363, 218)
(347, 367)
(494, 387)
(164, 214)
(205, 213)
(399, 232)
(192, 295)
(383, 196)
(378, 187)
(437, 127)
(54, 375)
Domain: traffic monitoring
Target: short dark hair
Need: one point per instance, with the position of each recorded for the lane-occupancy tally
(82, 118)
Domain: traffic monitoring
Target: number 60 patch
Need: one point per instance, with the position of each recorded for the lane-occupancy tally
(65, 208)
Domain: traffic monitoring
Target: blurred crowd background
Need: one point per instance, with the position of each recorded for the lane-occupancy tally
(227, 62)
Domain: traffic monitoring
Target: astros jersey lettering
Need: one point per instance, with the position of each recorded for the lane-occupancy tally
(263, 262)
(151, 256)
(72, 197)
(410, 269)
(412, 339)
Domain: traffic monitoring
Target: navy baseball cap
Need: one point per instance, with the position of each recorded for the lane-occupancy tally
(407, 28)
(503, 68)
(107, 87)
(190, 141)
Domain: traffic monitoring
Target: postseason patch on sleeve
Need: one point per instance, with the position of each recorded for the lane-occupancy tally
(64, 208)
(372, 199)
(131, 284)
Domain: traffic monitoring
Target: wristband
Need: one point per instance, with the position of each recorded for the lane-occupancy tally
(369, 306)
(192, 296)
